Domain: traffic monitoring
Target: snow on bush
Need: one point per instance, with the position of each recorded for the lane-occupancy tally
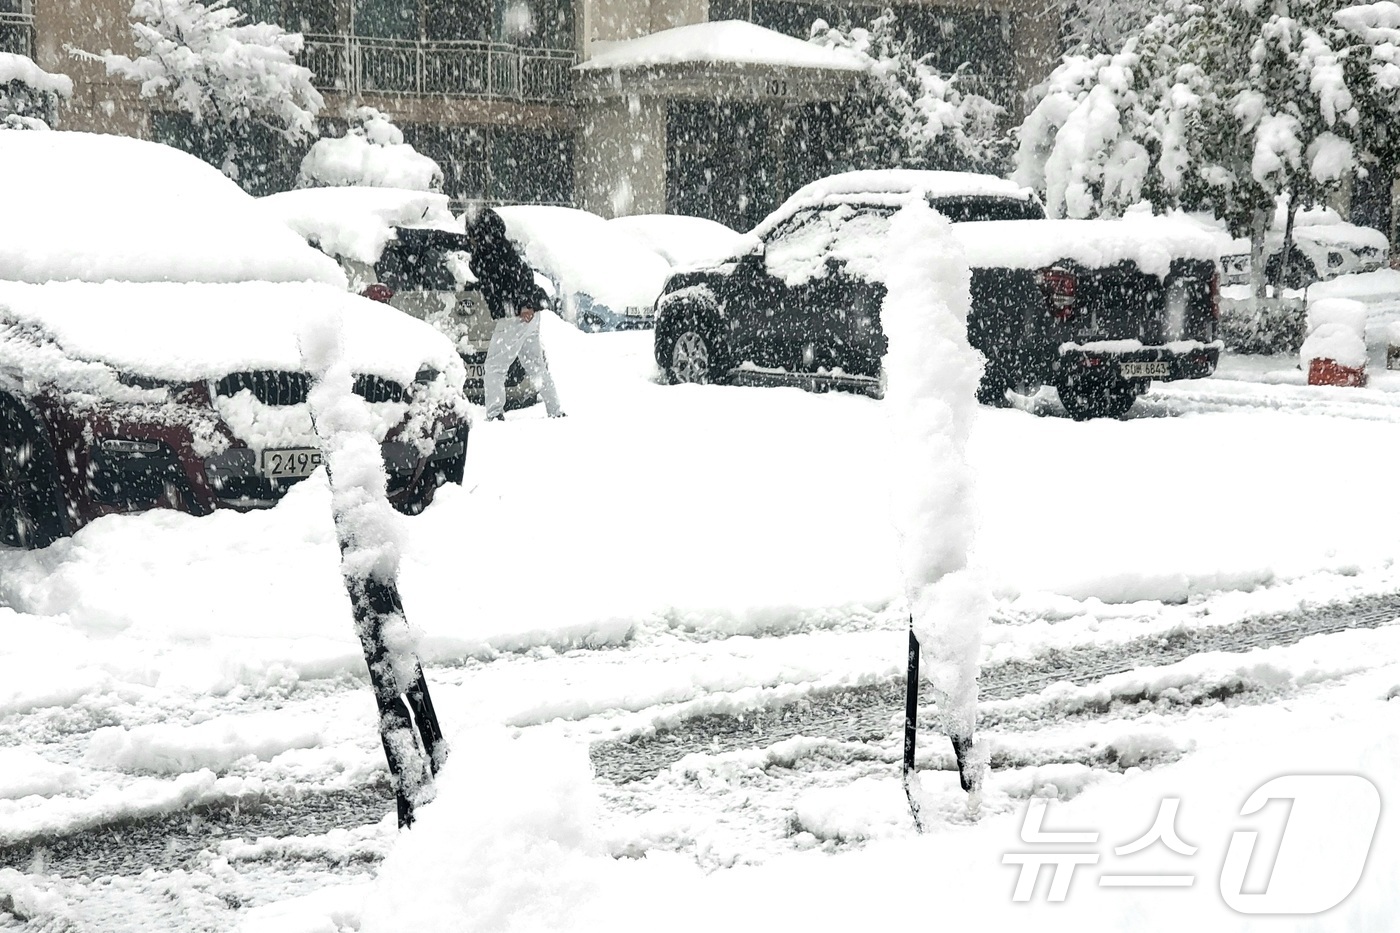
(932, 376)
(372, 152)
(28, 93)
(510, 843)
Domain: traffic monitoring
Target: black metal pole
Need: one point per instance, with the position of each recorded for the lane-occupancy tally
(408, 752)
(911, 724)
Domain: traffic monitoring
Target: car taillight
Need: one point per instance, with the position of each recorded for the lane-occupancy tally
(1215, 295)
(1060, 287)
(378, 291)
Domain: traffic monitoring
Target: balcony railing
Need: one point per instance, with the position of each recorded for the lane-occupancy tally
(488, 70)
(17, 34)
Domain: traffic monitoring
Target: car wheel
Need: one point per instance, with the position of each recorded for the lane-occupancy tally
(31, 504)
(1088, 395)
(694, 357)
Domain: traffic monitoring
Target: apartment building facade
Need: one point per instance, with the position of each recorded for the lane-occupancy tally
(505, 96)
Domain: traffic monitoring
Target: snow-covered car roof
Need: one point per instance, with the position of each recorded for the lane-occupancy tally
(355, 221)
(892, 186)
(585, 254)
(1151, 242)
(684, 241)
(90, 207)
(191, 331)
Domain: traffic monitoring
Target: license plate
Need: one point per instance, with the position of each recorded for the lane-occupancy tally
(1137, 370)
(476, 372)
(291, 463)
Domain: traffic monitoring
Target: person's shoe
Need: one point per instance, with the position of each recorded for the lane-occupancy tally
(560, 414)
(495, 417)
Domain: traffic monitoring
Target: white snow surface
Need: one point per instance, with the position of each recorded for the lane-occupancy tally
(724, 41)
(667, 552)
(355, 221)
(890, 187)
(684, 241)
(1150, 242)
(585, 253)
(22, 68)
(93, 207)
(193, 331)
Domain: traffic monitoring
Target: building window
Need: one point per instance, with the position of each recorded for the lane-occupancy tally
(387, 19)
(499, 164)
(16, 28)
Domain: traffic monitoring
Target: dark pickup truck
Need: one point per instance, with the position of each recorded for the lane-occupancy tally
(1099, 309)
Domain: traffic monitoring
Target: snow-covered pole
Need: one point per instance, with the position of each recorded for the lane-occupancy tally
(931, 377)
(369, 562)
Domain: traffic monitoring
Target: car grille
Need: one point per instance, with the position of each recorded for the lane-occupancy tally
(281, 387)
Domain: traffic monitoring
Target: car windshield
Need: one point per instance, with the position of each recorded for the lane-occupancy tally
(964, 209)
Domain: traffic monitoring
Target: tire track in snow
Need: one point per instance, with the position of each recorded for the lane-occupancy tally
(864, 714)
(854, 717)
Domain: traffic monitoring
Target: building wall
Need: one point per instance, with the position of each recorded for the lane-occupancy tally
(100, 104)
(621, 168)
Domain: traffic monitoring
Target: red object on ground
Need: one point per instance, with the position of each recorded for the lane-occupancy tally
(1330, 373)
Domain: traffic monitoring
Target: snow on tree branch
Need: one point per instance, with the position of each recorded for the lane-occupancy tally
(1225, 107)
(227, 74)
(917, 116)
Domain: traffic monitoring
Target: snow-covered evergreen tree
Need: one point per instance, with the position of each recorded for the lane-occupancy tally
(915, 116)
(1227, 106)
(372, 152)
(229, 75)
(29, 95)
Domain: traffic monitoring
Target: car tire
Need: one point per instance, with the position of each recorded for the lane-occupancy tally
(693, 354)
(31, 501)
(1087, 395)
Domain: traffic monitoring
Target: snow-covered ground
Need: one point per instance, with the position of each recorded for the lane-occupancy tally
(670, 551)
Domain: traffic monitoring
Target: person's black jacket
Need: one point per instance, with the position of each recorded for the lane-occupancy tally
(507, 283)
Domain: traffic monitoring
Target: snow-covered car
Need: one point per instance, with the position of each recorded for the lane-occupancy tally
(682, 241)
(606, 281)
(151, 329)
(1097, 308)
(406, 248)
(1324, 247)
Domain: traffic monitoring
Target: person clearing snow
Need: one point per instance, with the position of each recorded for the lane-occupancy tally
(515, 300)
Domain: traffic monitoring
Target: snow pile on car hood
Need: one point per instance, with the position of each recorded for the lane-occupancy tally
(188, 332)
(88, 207)
(356, 221)
(587, 256)
(684, 242)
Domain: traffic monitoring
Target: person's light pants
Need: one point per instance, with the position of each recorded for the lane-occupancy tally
(513, 339)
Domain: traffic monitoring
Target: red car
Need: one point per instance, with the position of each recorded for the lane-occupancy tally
(151, 355)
